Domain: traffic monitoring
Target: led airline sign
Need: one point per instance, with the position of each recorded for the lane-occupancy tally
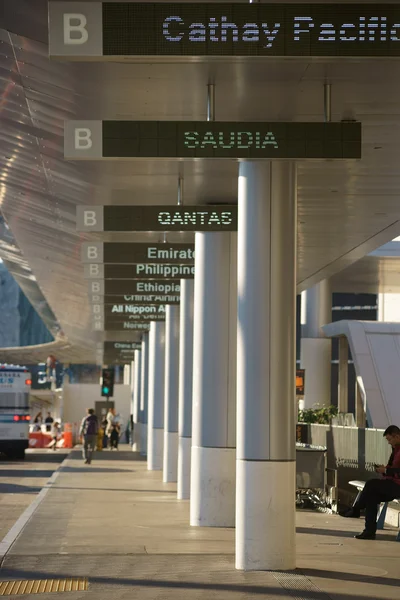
(96, 140)
(136, 29)
(221, 217)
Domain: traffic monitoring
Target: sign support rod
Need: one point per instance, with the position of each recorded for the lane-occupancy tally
(180, 191)
(328, 102)
(211, 102)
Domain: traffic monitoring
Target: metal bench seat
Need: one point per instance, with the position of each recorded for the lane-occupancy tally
(380, 523)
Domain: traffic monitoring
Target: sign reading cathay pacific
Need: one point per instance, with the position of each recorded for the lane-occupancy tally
(138, 29)
(94, 140)
(221, 217)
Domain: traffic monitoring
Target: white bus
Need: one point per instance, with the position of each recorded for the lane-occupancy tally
(15, 384)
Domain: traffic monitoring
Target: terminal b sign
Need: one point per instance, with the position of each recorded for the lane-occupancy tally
(221, 217)
(108, 30)
(134, 299)
(141, 271)
(130, 253)
(211, 139)
(118, 287)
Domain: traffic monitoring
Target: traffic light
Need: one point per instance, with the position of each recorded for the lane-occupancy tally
(107, 383)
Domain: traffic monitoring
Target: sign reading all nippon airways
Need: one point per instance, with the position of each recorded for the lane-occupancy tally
(137, 29)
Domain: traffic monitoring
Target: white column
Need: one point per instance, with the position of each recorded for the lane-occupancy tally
(185, 388)
(316, 349)
(212, 486)
(265, 501)
(155, 432)
(170, 466)
(136, 403)
(144, 394)
(343, 375)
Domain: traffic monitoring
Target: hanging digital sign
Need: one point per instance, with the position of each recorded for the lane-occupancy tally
(211, 139)
(137, 30)
(118, 287)
(110, 300)
(101, 325)
(131, 253)
(140, 271)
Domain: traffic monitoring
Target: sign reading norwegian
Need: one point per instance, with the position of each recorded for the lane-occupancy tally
(141, 271)
(211, 139)
(130, 253)
(99, 324)
(146, 29)
(117, 287)
(158, 218)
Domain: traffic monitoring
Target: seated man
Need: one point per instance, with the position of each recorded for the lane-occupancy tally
(379, 490)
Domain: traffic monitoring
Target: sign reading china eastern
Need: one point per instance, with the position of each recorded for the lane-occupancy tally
(135, 29)
(96, 140)
(157, 218)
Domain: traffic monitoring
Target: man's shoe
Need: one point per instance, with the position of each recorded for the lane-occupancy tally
(365, 535)
(352, 513)
(86, 462)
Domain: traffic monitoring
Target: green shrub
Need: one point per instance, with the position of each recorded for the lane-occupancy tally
(322, 415)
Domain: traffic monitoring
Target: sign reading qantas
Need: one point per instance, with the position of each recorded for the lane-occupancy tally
(138, 29)
(222, 217)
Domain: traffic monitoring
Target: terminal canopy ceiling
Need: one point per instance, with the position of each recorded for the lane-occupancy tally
(346, 209)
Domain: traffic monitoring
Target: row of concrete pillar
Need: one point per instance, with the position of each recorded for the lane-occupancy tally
(219, 376)
(214, 394)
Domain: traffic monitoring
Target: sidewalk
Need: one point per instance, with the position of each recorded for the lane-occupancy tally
(117, 524)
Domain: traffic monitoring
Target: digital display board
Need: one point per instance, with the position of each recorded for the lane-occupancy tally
(101, 325)
(118, 287)
(140, 271)
(220, 30)
(300, 377)
(131, 253)
(121, 347)
(221, 217)
(135, 299)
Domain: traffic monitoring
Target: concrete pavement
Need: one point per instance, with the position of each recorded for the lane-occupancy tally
(119, 525)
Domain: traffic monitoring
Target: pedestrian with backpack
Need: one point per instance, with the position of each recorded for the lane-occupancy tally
(88, 431)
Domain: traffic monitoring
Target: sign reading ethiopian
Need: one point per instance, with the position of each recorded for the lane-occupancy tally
(147, 29)
(211, 139)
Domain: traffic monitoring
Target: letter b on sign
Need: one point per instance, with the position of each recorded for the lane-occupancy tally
(90, 218)
(76, 32)
(83, 139)
(92, 252)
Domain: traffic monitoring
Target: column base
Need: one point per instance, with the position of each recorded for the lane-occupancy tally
(184, 460)
(143, 439)
(265, 516)
(170, 464)
(212, 487)
(155, 449)
(136, 437)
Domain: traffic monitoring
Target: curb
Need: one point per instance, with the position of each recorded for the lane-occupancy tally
(11, 537)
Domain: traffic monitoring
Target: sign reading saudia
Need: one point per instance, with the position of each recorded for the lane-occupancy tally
(217, 140)
(137, 29)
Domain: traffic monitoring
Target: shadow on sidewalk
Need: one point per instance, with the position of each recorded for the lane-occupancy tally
(347, 534)
(111, 456)
(264, 589)
(15, 488)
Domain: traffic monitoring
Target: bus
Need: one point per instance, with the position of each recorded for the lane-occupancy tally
(15, 384)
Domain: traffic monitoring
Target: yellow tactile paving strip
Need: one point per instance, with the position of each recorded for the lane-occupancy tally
(42, 586)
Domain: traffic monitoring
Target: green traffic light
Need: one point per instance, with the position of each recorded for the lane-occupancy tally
(105, 390)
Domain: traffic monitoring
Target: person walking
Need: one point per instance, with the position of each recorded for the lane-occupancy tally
(88, 431)
(110, 418)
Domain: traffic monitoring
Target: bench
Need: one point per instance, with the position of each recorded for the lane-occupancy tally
(380, 523)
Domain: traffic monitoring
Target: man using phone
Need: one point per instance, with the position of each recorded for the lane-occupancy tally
(379, 490)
